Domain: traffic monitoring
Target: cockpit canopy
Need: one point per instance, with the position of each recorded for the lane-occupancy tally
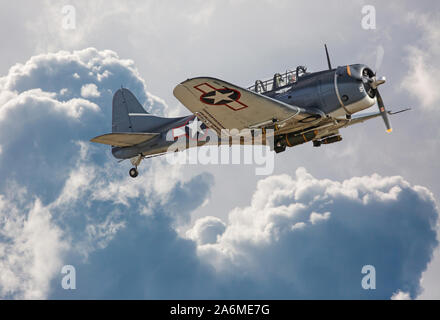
(279, 80)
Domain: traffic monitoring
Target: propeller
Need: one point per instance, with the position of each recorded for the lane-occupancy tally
(383, 111)
(374, 83)
(377, 82)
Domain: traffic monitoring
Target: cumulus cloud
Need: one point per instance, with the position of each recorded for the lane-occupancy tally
(300, 237)
(206, 230)
(400, 295)
(66, 201)
(316, 217)
(90, 90)
(47, 124)
(61, 198)
(422, 59)
(316, 235)
(31, 249)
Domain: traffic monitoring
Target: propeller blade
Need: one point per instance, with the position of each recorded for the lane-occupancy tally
(373, 81)
(383, 111)
(377, 82)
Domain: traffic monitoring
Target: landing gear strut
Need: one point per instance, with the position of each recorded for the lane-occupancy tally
(135, 161)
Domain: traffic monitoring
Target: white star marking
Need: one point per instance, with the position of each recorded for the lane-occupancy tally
(218, 96)
(194, 126)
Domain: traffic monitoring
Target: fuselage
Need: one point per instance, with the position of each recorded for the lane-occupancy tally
(336, 93)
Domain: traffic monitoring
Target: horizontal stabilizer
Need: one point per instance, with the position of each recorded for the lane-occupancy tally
(122, 139)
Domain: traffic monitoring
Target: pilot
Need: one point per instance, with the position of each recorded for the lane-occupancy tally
(276, 80)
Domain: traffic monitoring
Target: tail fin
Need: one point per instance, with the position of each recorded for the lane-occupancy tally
(124, 105)
(129, 115)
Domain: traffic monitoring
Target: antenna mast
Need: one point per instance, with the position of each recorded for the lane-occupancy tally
(328, 57)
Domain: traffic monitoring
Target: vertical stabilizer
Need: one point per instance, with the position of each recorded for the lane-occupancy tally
(124, 104)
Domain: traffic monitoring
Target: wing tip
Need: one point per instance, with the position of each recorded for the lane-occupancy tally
(94, 139)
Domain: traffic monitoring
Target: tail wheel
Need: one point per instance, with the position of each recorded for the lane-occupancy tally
(133, 172)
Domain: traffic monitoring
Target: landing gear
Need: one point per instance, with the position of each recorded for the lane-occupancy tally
(133, 172)
(135, 161)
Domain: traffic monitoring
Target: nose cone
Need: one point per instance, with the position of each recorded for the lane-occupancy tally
(375, 82)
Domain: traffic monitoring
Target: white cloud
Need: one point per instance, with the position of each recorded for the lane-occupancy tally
(206, 230)
(317, 217)
(36, 98)
(49, 180)
(423, 60)
(300, 225)
(101, 234)
(274, 247)
(421, 80)
(400, 295)
(31, 250)
(90, 90)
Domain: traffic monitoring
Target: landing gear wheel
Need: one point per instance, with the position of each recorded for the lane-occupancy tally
(133, 172)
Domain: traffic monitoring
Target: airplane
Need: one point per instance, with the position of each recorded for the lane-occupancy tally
(296, 107)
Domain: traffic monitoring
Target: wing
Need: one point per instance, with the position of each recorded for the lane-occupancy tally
(124, 139)
(367, 116)
(332, 126)
(222, 105)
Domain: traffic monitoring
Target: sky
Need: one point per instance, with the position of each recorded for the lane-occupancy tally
(213, 231)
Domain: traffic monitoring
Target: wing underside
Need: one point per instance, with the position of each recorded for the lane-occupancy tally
(222, 105)
(331, 126)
